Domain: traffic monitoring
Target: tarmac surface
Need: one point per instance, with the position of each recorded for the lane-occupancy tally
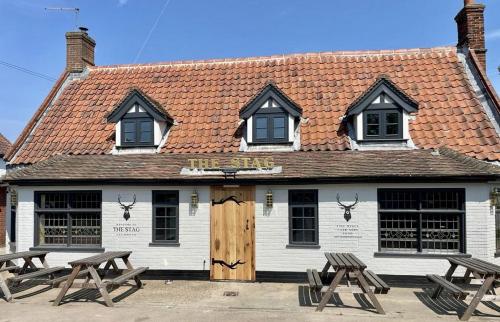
(205, 301)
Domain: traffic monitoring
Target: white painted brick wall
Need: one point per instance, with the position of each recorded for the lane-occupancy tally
(271, 229)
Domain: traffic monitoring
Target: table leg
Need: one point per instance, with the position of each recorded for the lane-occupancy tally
(5, 289)
(101, 286)
(324, 272)
(67, 285)
(477, 298)
(130, 267)
(448, 277)
(331, 289)
(364, 284)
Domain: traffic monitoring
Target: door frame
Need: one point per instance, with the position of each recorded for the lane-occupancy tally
(253, 192)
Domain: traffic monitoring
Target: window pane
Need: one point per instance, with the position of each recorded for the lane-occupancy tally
(129, 132)
(53, 229)
(297, 212)
(85, 200)
(309, 223)
(53, 200)
(166, 197)
(497, 226)
(392, 118)
(398, 232)
(309, 236)
(86, 229)
(261, 127)
(440, 233)
(441, 200)
(297, 223)
(146, 131)
(165, 215)
(372, 124)
(303, 196)
(279, 127)
(398, 199)
(298, 236)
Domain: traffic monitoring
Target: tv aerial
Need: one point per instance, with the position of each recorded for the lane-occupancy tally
(76, 11)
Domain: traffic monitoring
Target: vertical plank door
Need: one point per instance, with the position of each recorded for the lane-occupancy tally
(232, 230)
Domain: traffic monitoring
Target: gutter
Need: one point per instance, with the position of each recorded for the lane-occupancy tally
(253, 181)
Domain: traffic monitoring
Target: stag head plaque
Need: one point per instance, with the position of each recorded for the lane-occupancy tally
(347, 208)
(126, 208)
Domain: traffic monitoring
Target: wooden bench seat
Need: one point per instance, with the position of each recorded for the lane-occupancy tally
(40, 272)
(58, 280)
(455, 290)
(380, 286)
(314, 280)
(125, 277)
(9, 268)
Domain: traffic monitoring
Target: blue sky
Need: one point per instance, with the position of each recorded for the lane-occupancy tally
(33, 38)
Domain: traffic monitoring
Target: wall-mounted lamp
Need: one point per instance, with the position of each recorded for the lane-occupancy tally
(495, 197)
(194, 199)
(269, 199)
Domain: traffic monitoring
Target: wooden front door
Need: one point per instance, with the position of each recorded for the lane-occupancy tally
(232, 234)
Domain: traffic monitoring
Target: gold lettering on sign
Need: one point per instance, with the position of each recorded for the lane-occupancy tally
(235, 163)
(239, 163)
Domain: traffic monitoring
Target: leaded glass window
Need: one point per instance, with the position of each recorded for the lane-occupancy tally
(166, 216)
(68, 219)
(423, 220)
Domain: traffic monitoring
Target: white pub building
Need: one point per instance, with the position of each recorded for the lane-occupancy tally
(262, 164)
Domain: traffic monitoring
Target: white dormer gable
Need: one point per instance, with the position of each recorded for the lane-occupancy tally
(271, 122)
(380, 117)
(140, 125)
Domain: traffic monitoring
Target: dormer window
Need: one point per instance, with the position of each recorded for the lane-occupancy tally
(383, 120)
(271, 118)
(140, 121)
(270, 124)
(137, 128)
(381, 114)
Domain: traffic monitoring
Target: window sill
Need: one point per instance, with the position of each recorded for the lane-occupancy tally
(123, 147)
(418, 255)
(164, 244)
(383, 140)
(270, 143)
(303, 246)
(70, 249)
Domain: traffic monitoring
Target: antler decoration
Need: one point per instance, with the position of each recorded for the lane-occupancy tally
(126, 213)
(347, 208)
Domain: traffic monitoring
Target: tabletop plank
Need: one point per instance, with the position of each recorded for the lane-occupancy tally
(30, 254)
(101, 258)
(470, 265)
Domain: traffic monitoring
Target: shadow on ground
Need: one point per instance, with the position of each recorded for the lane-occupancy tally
(312, 299)
(446, 304)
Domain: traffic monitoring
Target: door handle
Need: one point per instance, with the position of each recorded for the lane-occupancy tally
(247, 225)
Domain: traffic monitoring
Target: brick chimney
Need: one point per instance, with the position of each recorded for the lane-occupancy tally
(470, 23)
(79, 50)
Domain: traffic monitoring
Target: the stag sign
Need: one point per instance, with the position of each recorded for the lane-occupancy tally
(126, 213)
(347, 208)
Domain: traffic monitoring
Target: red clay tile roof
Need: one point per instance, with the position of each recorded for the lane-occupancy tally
(332, 166)
(205, 97)
(5, 145)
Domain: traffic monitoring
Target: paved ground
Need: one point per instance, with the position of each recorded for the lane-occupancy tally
(204, 301)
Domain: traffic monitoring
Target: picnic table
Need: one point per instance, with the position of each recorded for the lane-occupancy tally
(25, 272)
(352, 268)
(486, 272)
(89, 268)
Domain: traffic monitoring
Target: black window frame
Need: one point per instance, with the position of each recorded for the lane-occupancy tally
(136, 118)
(270, 113)
(382, 133)
(297, 204)
(38, 210)
(419, 213)
(156, 205)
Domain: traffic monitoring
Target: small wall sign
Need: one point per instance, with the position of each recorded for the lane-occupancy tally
(239, 163)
